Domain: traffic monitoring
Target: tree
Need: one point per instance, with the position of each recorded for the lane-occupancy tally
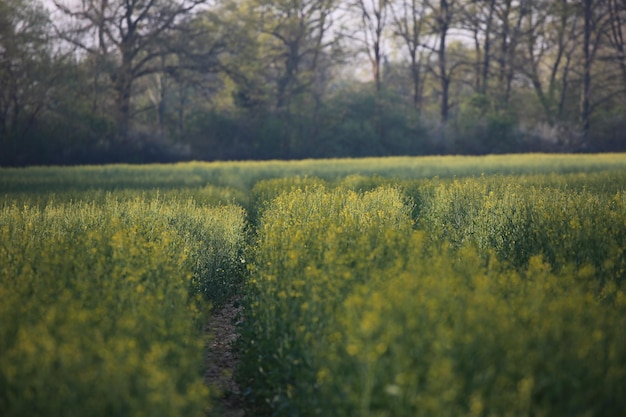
(188, 77)
(478, 19)
(409, 26)
(588, 53)
(279, 56)
(442, 16)
(594, 16)
(132, 34)
(616, 37)
(548, 51)
(26, 70)
(510, 15)
(372, 16)
(276, 47)
(601, 75)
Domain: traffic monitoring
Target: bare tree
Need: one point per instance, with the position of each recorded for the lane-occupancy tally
(131, 33)
(616, 37)
(585, 101)
(510, 16)
(299, 30)
(442, 16)
(26, 74)
(373, 19)
(594, 16)
(409, 25)
(478, 19)
(551, 39)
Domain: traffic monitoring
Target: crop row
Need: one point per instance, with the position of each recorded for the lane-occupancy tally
(471, 297)
(104, 304)
(243, 175)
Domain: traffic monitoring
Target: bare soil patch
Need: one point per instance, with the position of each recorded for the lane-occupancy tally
(222, 359)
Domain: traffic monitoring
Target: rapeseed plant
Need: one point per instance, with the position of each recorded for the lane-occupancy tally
(104, 304)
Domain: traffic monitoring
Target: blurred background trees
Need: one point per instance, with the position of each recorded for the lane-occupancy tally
(154, 80)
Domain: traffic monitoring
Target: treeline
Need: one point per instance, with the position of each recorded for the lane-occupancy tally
(156, 80)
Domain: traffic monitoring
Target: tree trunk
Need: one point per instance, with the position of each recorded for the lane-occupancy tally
(123, 81)
(122, 104)
(443, 70)
(487, 49)
(585, 106)
(564, 87)
(511, 49)
(376, 67)
(181, 111)
(503, 54)
(416, 74)
(408, 19)
(617, 36)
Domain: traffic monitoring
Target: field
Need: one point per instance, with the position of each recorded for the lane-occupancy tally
(450, 286)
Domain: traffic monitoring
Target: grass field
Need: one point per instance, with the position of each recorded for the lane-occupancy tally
(439, 286)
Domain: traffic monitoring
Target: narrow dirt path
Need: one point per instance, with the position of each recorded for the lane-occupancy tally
(222, 360)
